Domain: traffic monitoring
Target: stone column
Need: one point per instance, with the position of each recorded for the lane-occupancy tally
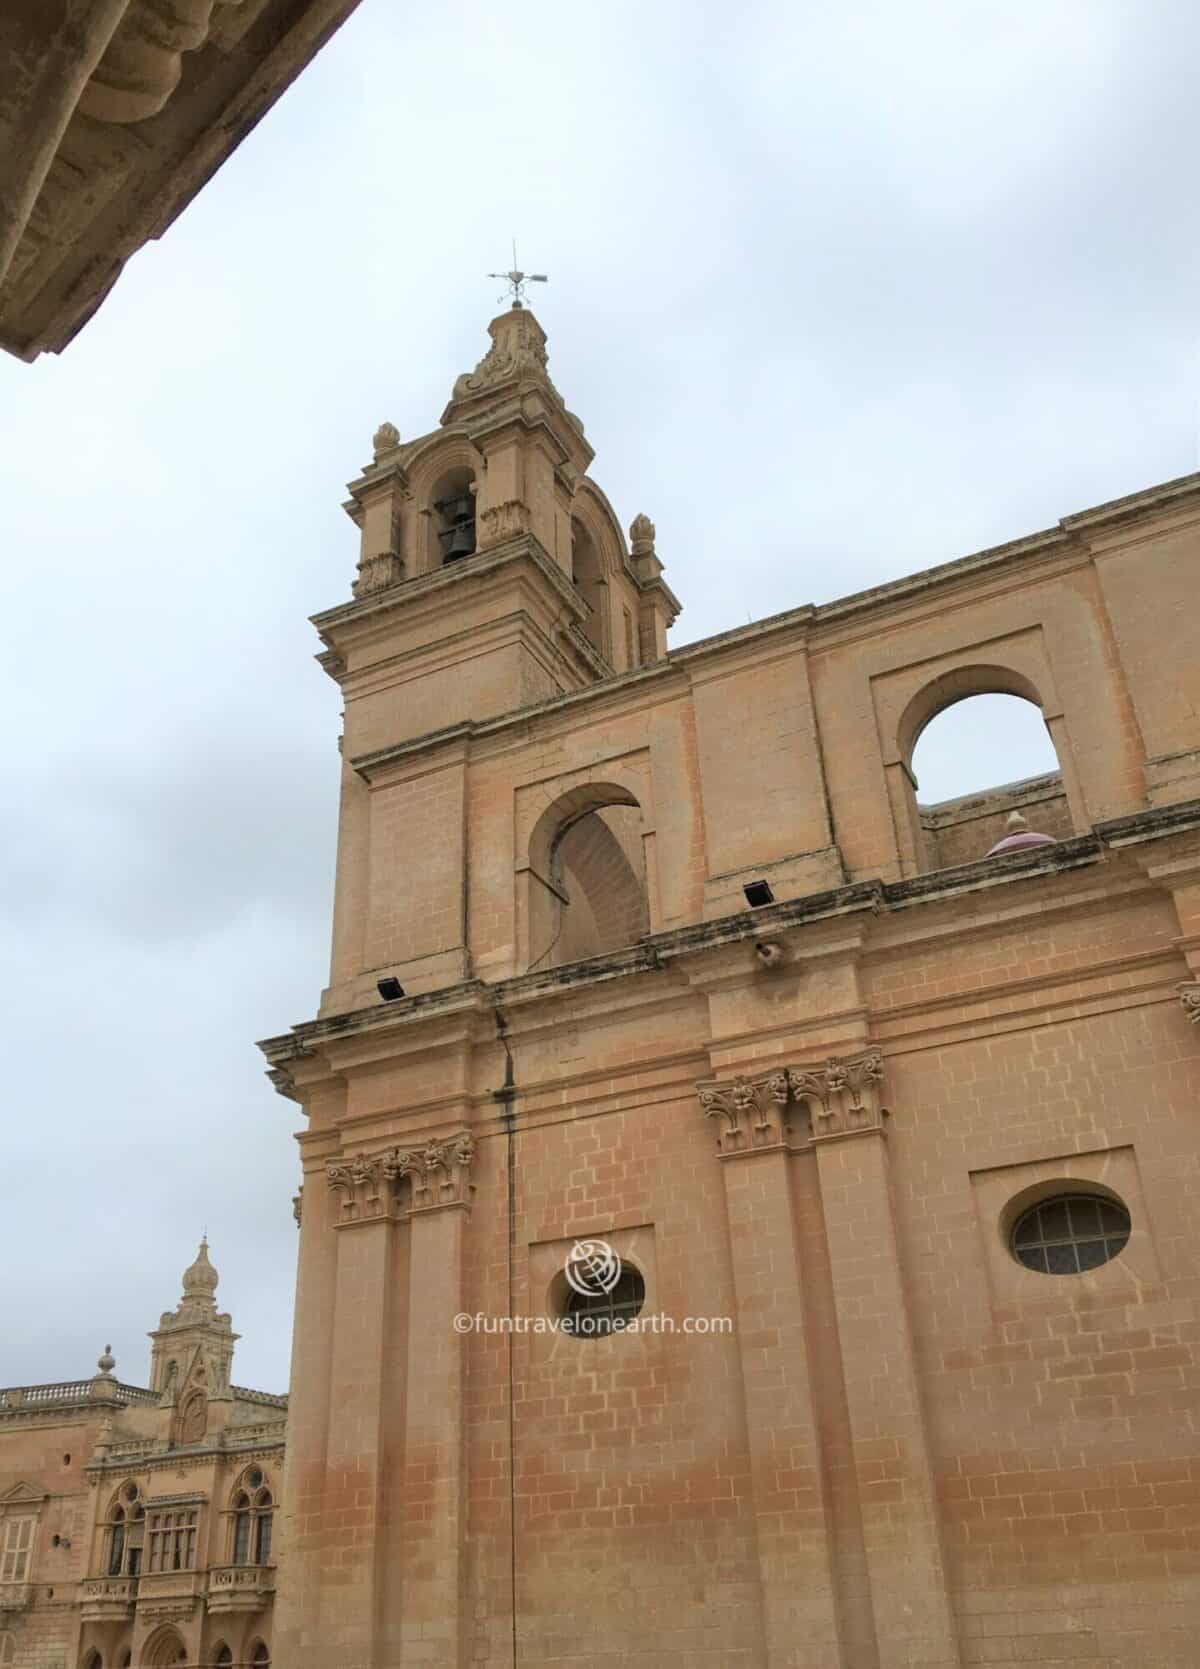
(433, 1625)
(792, 1528)
(913, 1614)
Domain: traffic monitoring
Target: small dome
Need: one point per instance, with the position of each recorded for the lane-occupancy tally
(200, 1279)
(1020, 837)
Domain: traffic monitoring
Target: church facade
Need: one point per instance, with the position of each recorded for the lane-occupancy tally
(136, 1521)
(884, 1114)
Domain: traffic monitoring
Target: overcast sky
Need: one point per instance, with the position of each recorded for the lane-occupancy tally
(838, 291)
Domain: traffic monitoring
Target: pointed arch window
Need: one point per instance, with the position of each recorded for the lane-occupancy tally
(253, 1520)
(125, 1533)
(8, 1649)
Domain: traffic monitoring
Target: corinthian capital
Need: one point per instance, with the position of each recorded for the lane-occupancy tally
(749, 1111)
(842, 1094)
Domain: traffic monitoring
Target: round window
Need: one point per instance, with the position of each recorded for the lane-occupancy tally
(594, 1315)
(1070, 1233)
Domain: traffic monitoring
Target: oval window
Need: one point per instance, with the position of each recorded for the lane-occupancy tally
(1070, 1233)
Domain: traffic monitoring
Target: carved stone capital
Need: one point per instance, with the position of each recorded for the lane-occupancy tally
(752, 1113)
(842, 1095)
(358, 1181)
(439, 1173)
(1189, 996)
(749, 1111)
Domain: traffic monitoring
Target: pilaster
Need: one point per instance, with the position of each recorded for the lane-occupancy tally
(913, 1615)
(791, 1524)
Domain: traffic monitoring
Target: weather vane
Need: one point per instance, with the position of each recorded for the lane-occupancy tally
(516, 280)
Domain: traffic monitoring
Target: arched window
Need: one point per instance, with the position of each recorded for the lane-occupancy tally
(253, 1520)
(116, 1542)
(125, 1533)
(260, 1657)
(126, 1659)
(981, 768)
(588, 893)
(93, 1660)
(222, 1657)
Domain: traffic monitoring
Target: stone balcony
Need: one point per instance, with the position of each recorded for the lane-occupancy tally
(240, 1587)
(107, 1599)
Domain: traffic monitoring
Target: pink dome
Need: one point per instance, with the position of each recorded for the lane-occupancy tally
(1018, 842)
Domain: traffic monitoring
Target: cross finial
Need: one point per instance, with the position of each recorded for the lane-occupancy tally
(516, 280)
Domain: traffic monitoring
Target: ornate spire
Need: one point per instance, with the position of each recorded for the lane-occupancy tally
(200, 1278)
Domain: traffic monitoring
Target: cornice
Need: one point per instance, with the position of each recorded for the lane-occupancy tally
(658, 951)
(371, 608)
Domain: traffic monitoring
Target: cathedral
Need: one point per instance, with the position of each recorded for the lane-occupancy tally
(746, 1213)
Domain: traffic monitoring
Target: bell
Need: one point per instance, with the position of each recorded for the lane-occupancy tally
(462, 542)
(459, 539)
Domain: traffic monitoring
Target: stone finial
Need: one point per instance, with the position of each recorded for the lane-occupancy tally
(106, 1363)
(385, 439)
(200, 1278)
(641, 535)
(1016, 824)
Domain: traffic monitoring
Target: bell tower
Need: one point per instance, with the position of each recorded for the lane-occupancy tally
(493, 575)
(192, 1347)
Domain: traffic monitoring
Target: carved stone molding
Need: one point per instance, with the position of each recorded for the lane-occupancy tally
(518, 349)
(439, 1174)
(752, 1113)
(502, 521)
(298, 1204)
(144, 61)
(378, 572)
(1189, 996)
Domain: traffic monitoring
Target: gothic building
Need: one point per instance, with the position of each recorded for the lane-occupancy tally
(136, 1521)
(885, 1113)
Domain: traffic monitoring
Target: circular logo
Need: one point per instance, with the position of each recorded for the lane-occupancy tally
(593, 1268)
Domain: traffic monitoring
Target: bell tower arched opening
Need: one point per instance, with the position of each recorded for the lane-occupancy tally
(587, 572)
(452, 517)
